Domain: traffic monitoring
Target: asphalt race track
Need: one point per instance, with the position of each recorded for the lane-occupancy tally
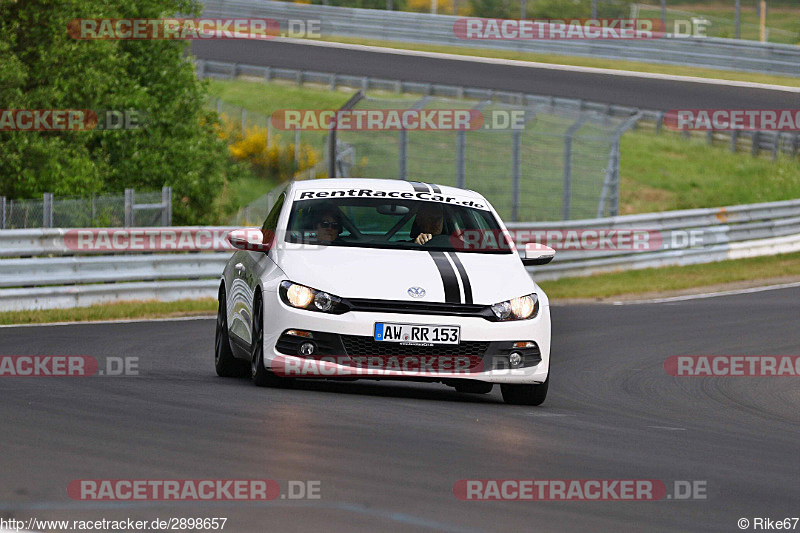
(388, 454)
(645, 93)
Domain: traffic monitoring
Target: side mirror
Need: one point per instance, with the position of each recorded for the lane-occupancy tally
(250, 239)
(537, 254)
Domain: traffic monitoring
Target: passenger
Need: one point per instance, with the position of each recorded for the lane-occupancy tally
(428, 222)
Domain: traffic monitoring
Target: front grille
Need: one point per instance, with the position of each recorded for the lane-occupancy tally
(357, 345)
(419, 308)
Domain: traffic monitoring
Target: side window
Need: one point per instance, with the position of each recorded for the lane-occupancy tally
(271, 223)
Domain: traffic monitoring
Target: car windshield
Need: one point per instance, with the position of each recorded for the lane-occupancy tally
(391, 223)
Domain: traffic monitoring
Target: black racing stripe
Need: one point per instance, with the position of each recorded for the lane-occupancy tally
(419, 187)
(464, 277)
(452, 294)
(435, 188)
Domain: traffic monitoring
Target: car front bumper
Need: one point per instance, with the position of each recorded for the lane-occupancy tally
(344, 345)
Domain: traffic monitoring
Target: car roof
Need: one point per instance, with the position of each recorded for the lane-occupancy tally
(378, 184)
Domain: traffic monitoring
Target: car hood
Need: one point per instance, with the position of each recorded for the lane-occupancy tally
(389, 274)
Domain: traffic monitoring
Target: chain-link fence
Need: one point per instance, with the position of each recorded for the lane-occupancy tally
(560, 162)
(240, 122)
(557, 164)
(142, 209)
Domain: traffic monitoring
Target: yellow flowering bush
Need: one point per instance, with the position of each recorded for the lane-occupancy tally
(269, 158)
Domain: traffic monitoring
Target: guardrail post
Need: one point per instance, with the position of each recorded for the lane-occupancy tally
(756, 148)
(166, 209)
(710, 137)
(244, 121)
(461, 148)
(332, 85)
(219, 106)
(267, 73)
(299, 78)
(129, 199)
(776, 143)
(516, 167)
(402, 156)
(201, 68)
(734, 140)
(795, 143)
(2, 212)
(47, 210)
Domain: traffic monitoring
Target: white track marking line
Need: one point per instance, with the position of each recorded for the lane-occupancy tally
(668, 428)
(711, 294)
(121, 321)
(548, 66)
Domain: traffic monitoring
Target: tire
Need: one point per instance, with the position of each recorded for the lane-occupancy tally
(225, 363)
(261, 376)
(474, 387)
(525, 394)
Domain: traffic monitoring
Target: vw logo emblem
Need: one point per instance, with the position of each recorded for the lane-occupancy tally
(416, 292)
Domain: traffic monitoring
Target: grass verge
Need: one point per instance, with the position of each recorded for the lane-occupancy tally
(580, 61)
(667, 279)
(113, 311)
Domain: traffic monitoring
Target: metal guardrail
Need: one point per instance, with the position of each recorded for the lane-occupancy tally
(728, 54)
(720, 233)
(44, 273)
(754, 142)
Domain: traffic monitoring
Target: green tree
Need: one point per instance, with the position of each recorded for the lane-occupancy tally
(42, 67)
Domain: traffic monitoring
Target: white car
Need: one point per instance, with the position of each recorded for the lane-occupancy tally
(384, 279)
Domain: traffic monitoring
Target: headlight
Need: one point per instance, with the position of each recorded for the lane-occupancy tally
(302, 297)
(517, 308)
(299, 296)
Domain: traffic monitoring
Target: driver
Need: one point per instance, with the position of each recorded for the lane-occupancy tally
(428, 222)
(327, 223)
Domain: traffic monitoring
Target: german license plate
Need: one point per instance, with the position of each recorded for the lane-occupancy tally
(417, 333)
